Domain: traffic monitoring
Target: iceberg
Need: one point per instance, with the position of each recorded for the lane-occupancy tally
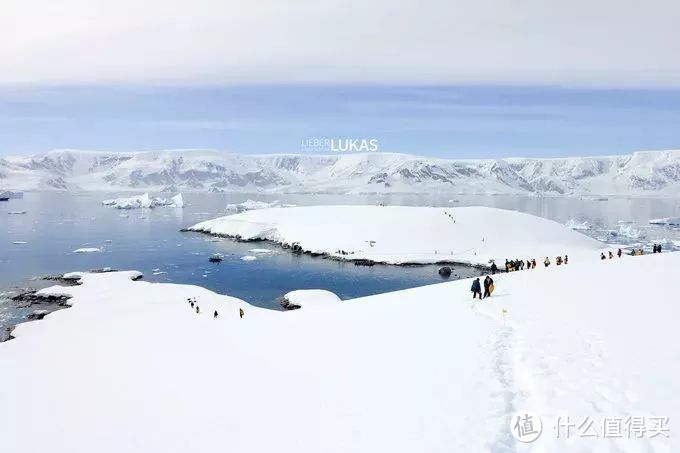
(671, 221)
(87, 250)
(11, 194)
(250, 205)
(145, 201)
(576, 225)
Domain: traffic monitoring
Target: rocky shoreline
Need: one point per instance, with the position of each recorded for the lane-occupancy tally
(48, 303)
(296, 249)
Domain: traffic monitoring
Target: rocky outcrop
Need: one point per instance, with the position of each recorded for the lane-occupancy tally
(444, 271)
(33, 296)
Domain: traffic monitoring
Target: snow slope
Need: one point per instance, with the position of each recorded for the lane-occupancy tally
(650, 172)
(131, 367)
(404, 234)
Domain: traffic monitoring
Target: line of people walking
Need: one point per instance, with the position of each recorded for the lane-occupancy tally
(194, 305)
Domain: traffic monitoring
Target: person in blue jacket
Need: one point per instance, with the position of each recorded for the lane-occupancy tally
(476, 288)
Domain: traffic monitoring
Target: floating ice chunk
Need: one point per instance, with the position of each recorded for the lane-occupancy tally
(11, 194)
(87, 250)
(248, 258)
(260, 251)
(250, 205)
(576, 225)
(144, 201)
(19, 242)
(177, 201)
(672, 221)
(630, 232)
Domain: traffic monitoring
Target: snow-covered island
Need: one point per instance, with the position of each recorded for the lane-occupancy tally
(133, 367)
(402, 234)
(145, 201)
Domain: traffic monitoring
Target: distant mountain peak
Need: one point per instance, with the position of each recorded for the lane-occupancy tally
(643, 172)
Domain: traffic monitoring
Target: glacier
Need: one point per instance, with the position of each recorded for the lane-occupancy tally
(172, 171)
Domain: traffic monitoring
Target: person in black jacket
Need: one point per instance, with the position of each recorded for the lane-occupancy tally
(488, 281)
(494, 268)
(476, 288)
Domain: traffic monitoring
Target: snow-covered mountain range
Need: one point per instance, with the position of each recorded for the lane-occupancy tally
(649, 172)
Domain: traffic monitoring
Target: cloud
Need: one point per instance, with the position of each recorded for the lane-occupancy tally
(574, 43)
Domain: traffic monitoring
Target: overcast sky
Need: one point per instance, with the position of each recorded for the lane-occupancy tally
(425, 76)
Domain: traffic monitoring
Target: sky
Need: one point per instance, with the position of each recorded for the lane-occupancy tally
(454, 78)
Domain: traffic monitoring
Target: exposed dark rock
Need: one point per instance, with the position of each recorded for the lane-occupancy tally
(287, 304)
(6, 334)
(33, 297)
(38, 314)
(103, 270)
(66, 281)
(444, 271)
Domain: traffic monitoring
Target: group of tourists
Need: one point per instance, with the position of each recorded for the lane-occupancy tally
(450, 216)
(519, 265)
(656, 248)
(477, 288)
(558, 260)
(194, 305)
(611, 255)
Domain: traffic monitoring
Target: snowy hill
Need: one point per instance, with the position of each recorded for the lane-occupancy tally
(132, 367)
(651, 172)
(403, 234)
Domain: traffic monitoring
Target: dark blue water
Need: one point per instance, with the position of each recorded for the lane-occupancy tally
(55, 224)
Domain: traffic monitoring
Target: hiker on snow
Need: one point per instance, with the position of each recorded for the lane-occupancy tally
(546, 262)
(602, 257)
(198, 310)
(241, 312)
(215, 315)
(558, 260)
(620, 252)
(566, 259)
(488, 282)
(476, 288)
(611, 255)
(533, 263)
(494, 268)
